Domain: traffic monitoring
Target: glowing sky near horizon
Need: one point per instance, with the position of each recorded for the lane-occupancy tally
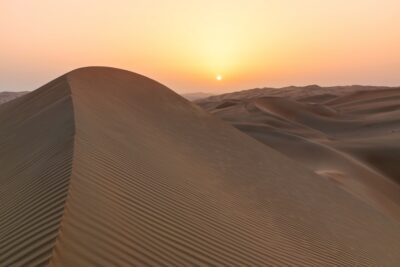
(186, 44)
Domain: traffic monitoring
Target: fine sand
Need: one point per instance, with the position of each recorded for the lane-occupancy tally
(103, 167)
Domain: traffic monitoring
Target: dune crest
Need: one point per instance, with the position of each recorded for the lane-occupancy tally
(118, 170)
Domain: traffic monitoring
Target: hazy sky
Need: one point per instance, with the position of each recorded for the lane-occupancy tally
(186, 44)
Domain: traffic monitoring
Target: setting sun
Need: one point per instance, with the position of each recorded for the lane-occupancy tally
(219, 77)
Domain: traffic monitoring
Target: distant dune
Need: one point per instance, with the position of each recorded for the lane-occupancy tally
(297, 92)
(196, 96)
(350, 135)
(104, 167)
(7, 96)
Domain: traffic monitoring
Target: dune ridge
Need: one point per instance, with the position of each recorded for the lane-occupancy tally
(143, 177)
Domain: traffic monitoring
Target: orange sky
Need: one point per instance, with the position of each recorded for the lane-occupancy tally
(186, 44)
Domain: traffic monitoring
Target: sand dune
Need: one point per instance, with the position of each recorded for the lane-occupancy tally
(8, 96)
(195, 96)
(347, 134)
(311, 93)
(104, 167)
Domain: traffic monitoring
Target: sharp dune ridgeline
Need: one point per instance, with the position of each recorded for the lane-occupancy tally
(104, 167)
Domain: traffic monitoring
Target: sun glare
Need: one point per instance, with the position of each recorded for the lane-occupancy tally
(219, 77)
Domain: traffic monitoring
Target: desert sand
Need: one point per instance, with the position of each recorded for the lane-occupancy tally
(104, 167)
(346, 134)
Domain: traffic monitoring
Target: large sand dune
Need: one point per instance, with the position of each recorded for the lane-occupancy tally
(104, 167)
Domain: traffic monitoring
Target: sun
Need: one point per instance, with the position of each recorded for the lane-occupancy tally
(219, 77)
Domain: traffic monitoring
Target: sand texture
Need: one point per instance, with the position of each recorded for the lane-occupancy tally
(104, 167)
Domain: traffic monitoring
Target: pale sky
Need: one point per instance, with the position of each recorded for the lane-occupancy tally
(187, 44)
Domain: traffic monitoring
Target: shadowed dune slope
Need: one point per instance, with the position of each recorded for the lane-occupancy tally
(36, 144)
(155, 181)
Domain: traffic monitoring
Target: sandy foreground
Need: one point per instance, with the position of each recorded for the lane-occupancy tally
(104, 167)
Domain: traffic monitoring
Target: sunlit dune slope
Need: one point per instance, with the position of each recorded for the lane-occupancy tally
(104, 167)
